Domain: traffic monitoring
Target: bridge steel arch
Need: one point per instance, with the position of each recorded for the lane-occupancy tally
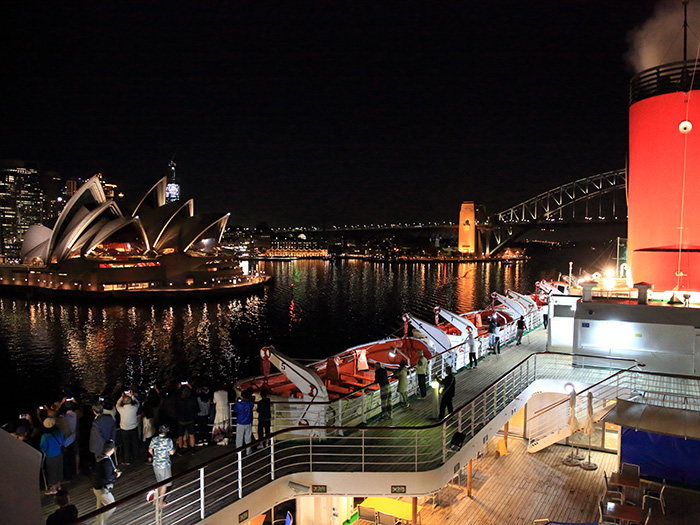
(599, 198)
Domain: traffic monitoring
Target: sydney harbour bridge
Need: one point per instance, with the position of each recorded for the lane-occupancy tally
(600, 198)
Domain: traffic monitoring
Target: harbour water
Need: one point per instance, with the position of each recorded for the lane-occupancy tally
(312, 309)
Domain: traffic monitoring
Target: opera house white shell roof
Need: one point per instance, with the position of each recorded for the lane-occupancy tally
(93, 226)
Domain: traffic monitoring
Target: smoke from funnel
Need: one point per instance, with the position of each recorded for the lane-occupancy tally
(660, 39)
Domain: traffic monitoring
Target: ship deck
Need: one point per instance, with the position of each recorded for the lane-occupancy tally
(521, 487)
(513, 489)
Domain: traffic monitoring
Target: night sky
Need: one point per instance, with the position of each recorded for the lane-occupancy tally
(298, 113)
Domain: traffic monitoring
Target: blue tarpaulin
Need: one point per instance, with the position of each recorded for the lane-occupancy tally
(664, 457)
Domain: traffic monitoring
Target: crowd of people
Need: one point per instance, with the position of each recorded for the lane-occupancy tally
(146, 425)
(152, 424)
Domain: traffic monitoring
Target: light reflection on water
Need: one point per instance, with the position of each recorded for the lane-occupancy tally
(312, 309)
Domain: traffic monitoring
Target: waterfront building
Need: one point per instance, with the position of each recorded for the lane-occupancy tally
(296, 248)
(95, 247)
(21, 203)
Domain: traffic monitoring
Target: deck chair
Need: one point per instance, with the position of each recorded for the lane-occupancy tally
(614, 495)
(608, 486)
(385, 519)
(657, 495)
(367, 516)
(602, 520)
(629, 468)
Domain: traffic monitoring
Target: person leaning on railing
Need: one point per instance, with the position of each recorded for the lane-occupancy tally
(381, 377)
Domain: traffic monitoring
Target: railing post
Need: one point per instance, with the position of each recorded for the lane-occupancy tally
(416, 449)
(459, 421)
(527, 370)
(311, 453)
(201, 494)
(240, 474)
(158, 514)
(444, 442)
(472, 418)
(363, 450)
(534, 370)
(272, 458)
(362, 400)
(274, 418)
(495, 400)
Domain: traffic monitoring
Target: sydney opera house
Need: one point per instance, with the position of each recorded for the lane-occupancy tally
(158, 248)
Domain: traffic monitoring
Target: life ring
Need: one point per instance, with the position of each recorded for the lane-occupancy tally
(265, 352)
(312, 391)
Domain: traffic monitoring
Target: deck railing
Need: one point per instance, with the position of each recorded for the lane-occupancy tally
(361, 405)
(664, 390)
(203, 491)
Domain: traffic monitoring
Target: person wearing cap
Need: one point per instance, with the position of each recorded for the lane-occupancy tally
(161, 448)
(106, 473)
(50, 445)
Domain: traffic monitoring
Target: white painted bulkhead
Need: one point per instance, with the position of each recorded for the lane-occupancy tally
(664, 338)
(560, 330)
(363, 484)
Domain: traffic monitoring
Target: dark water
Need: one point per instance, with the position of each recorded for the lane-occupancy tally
(313, 309)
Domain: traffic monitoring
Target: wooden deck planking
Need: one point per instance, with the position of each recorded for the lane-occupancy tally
(522, 487)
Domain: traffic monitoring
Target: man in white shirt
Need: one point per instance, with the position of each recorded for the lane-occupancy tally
(128, 407)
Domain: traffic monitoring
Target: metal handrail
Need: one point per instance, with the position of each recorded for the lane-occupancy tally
(591, 387)
(365, 449)
(666, 78)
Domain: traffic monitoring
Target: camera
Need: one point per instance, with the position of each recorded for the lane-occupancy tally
(70, 399)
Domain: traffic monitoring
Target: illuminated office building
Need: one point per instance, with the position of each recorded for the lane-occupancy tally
(21, 203)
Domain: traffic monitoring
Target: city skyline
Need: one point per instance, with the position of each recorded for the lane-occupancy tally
(313, 114)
